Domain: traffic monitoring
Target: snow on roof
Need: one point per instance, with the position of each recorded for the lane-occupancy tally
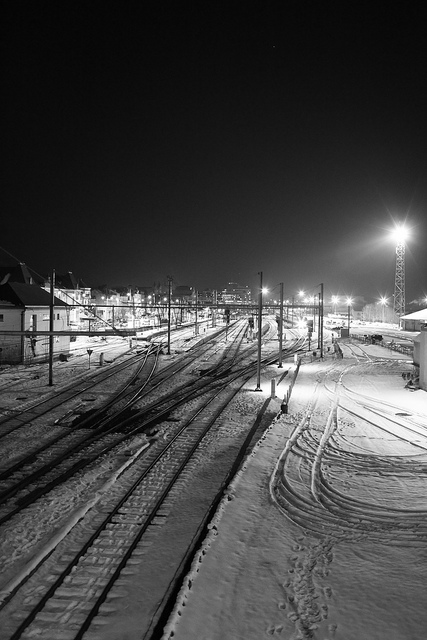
(417, 315)
(24, 295)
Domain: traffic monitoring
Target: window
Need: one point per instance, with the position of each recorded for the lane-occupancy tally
(1, 317)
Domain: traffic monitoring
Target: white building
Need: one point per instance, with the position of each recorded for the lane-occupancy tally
(26, 308)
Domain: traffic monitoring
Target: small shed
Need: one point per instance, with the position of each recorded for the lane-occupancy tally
(414, 321)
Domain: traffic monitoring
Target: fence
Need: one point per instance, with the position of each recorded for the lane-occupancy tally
(386, 344)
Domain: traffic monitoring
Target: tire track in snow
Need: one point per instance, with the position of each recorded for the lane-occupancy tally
(312, 485)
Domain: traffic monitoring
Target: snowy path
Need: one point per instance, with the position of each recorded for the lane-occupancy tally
(326, 531)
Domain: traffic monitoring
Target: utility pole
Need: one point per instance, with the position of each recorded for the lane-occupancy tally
(196, 324)
(51, 325)
(281, 326)
(321, 319)
(258, 380)
(214, 310)
(169, 314)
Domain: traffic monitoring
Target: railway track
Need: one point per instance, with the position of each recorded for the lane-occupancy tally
(108, 534)
(112, 424)
(26, 413)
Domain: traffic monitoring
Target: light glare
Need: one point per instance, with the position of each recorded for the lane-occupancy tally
(400, 234)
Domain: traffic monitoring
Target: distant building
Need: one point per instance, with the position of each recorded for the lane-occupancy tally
(183, 293)
(236, 294)
(73, 292)
(26, 307)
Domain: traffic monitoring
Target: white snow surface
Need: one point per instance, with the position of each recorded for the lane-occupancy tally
(357, 573)
(352, 569)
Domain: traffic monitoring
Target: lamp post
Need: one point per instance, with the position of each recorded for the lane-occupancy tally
(383, 302)
(349, 303)
(321, 298)
(169, 314)
(281, 326)
(51, 325)
(301, 294)
(258, 379)
(196, 322)
(335, 300)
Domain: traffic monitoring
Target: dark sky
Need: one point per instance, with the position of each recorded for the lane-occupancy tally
(213, 140)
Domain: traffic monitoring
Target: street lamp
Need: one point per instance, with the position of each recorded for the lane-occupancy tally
(301, 294)
(335, 300)
(260, 292)
(349, 303)
(383, 302)
(281, 326)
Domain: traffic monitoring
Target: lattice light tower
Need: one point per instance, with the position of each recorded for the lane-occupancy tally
(400, 235)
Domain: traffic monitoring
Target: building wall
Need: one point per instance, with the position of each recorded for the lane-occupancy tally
(37, 319)
(17, 349)
(423, 358)
(11, 346)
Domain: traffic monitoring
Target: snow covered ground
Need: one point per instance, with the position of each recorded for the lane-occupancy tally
(323, 533)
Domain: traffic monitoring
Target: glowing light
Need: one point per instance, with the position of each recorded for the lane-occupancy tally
(349, 301)
(400, 234)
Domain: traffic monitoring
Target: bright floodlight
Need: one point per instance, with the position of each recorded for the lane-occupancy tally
(349, 301)
(264, 290)
(400, 234)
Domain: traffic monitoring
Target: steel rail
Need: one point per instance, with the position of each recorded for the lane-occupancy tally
(105, 427)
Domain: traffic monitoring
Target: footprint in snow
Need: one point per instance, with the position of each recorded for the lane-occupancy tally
(273, 629)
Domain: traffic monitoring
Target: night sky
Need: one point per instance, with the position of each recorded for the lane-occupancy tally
(209, 141)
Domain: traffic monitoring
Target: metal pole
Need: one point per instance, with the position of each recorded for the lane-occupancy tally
(258, 381)
(215, 302)
(169, 314)
(321, 319)
(51, 325)
(196, 325)
(281, 326)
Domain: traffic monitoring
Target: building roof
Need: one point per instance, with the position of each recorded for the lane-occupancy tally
(69, 281)
(27, 295)
(417, 315)
(20, 273)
